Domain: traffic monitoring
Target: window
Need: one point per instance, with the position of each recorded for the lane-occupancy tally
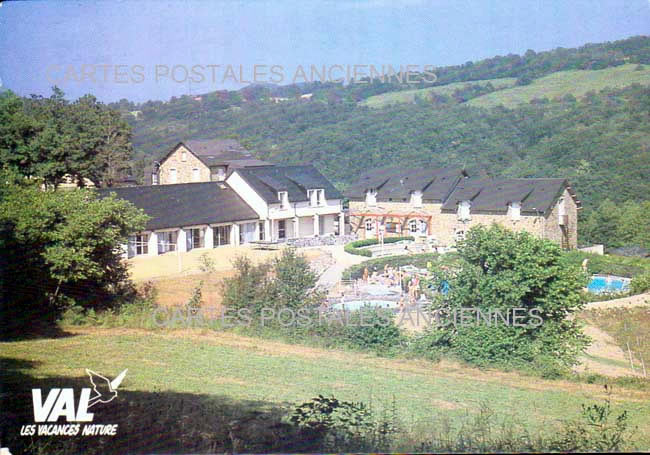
(463, 211)
(423, 227)
(514, 210)
(218, 174)
(283, 197)
(371, 198)
(392, 227)
(282, 229)
(247, 232)
(260, 227)
(138, 244)
(413, 226)
(183, 156)
(221, 235)
(416, 199)
(172, 176)
(196, 175)
(459, 235)
(195, 238)
(154, 178)
(316, 197)
(370, 225)
(166, 241)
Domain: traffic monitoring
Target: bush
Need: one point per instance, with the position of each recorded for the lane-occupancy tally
(206, 263)
(599, 430)
(501, 271)
(610, 264)
(284, 282)
(356, 246)
(373, 328)
(640, 284)
(336, 425)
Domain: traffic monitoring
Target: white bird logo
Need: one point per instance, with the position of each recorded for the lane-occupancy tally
(105, 389)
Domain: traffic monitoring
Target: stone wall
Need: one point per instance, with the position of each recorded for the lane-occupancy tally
(445, 227)
(183, 168)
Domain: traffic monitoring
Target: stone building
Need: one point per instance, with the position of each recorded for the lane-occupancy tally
(202, 161)
(440, 205)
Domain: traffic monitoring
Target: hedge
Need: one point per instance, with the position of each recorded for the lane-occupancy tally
(356, 246)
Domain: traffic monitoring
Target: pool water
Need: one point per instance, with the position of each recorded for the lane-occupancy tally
(355, 305)
(600, 284)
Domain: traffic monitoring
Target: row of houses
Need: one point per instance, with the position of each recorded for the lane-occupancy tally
(206, 194)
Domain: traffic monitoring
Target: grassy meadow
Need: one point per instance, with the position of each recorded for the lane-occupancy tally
(196, 362)
(576, 83)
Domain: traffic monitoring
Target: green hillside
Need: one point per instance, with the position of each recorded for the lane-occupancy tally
(408, 96)
(576, 83)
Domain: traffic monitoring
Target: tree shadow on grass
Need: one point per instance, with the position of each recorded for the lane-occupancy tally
(148, 422)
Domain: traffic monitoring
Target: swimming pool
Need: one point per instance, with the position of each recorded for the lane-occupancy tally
(355, 305)
(608, 283)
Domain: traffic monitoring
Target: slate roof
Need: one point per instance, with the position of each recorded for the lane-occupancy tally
(396, 184)
(536, 195)
(296, 180)
(185, 204)
(453, 185)
(214, 152)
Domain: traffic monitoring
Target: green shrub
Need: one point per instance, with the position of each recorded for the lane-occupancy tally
(500, 271)
(640, 284)
(599, 430)
(207, 263)
(373, 328)
(609, 264)
(284, 282)
(356, 246)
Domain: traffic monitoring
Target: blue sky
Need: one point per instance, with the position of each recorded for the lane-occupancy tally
(42, 42)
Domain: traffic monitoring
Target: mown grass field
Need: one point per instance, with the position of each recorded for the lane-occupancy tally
(558, 84)
(408, 96)
(577, 83)
(197, 362)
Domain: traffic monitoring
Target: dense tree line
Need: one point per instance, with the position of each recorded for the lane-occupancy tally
(52, 138)
(619, 224)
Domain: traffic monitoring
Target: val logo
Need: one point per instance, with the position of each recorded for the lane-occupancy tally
(61, 403)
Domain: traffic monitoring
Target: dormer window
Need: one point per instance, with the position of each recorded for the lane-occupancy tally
(283, 197)
(316, 197)
(514, 211)
(416, 199)
(463, 211)
(371, 198)
(218, 174)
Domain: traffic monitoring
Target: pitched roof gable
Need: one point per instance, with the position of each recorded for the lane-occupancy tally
(215, 152)
(295, 180)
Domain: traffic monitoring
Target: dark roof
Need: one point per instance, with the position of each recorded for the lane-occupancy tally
(493, 195)
(185, 204)
(296, 180)
(214, 152)
(396, 184)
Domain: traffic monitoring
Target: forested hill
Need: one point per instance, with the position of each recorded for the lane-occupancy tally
(595, 133)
